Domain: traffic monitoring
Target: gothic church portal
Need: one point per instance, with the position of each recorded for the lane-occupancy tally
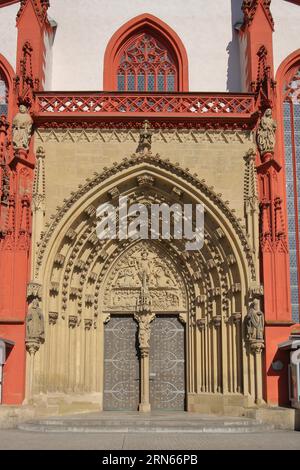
(145, 324)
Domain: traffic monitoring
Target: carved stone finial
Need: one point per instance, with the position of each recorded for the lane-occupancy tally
(250, 155)
(21, 127)
(145, 140)
(249, 8)
(265, 135)
(40, 153)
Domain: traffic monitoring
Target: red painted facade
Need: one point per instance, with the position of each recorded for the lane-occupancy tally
(15, 208)
(205, 110)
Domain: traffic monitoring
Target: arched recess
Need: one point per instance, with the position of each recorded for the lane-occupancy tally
(155, 27)
(7, 74)
(74, 269)
(288, 114)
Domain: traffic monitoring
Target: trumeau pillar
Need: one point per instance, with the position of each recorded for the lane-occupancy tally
(144, 317)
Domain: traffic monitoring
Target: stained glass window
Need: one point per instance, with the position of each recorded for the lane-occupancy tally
(292, 170)
(146, 65)
(3, 95)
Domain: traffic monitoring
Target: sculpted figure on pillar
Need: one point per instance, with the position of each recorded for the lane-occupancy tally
(144, 321)
(266, 133)
(143, 315)
(255, 323)
(22, 126)
(35, 323)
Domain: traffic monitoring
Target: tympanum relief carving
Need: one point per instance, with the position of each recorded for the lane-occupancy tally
(143, 266)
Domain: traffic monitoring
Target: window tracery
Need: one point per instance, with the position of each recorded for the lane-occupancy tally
(291, 114)
(3, 95)
(146, 64)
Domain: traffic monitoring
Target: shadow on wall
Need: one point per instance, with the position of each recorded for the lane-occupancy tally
(233, 50)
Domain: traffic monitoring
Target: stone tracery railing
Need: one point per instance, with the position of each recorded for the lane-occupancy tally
(139, 104)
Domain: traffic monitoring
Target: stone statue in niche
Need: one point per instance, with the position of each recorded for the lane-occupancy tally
(145, 140)
(21, 127)
(35, 322)
(255, 322)
(266, 133)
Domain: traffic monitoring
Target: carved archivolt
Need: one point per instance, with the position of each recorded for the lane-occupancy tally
(207, 194)
(86, 280)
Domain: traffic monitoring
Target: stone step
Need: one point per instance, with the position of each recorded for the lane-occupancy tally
(142, 425)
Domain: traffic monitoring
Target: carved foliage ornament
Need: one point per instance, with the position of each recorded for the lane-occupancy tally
(249, 8)
(40, 7)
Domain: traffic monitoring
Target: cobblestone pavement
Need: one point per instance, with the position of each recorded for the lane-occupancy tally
(277, 440)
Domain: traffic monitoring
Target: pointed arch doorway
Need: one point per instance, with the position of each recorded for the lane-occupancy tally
(144, 337)
(82, 288)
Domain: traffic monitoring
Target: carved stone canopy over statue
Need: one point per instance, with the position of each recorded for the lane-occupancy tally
(255, 322)
(35, 323)
(266, 133)
(22, 126)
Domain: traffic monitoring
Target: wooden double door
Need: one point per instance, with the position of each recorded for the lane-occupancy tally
(122, 364)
